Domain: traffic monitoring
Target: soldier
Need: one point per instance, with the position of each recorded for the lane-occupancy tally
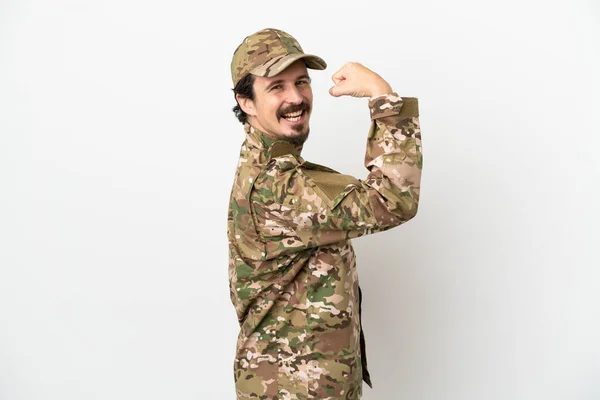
(292, 268)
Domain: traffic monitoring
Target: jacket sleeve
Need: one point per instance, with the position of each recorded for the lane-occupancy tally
(297, 205)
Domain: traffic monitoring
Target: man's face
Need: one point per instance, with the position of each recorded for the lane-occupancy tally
(283, 103)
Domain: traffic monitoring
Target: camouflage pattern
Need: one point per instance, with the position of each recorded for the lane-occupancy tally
(292, 267)
(267, 53)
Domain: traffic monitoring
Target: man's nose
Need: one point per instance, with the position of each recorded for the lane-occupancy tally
(293, 95)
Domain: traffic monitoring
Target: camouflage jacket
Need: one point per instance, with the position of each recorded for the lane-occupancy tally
(292, 270)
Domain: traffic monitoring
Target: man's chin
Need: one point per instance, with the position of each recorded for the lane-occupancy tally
(300, 137)
(297, 136)
(295, 133)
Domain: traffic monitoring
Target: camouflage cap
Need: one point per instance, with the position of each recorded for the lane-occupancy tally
(267, 53)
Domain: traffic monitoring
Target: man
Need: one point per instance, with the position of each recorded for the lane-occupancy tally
(292, 268)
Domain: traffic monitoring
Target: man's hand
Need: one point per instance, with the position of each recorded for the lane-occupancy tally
(356, 80)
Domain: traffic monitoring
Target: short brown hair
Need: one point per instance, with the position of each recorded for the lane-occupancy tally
(245, 88)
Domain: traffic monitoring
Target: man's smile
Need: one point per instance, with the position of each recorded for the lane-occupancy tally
(295, 117)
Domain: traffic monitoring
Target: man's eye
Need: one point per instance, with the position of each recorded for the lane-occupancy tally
(303, 82)
(274, 87)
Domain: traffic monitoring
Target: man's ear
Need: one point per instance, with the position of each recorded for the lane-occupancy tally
(246, 105)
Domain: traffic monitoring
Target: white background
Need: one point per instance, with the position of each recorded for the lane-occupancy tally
(117, 153)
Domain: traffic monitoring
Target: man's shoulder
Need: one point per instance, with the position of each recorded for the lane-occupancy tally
(328, 183)
(310, 166)
(287, 177)
(281, 167)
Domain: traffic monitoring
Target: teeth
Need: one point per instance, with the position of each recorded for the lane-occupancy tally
(292, 115)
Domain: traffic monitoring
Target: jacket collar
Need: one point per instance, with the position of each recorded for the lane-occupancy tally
(268, 147)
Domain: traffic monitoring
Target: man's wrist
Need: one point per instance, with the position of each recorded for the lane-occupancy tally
(381, 89)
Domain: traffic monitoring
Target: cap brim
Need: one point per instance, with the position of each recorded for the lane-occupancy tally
(277, 65)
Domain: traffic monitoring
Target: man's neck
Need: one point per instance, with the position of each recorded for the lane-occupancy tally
(268, 141)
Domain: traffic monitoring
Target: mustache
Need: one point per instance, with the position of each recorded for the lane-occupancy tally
(299, 107)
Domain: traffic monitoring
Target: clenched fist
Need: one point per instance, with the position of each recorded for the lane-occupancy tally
(356, 80)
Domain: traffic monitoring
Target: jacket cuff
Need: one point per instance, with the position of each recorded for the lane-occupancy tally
(390, 104)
